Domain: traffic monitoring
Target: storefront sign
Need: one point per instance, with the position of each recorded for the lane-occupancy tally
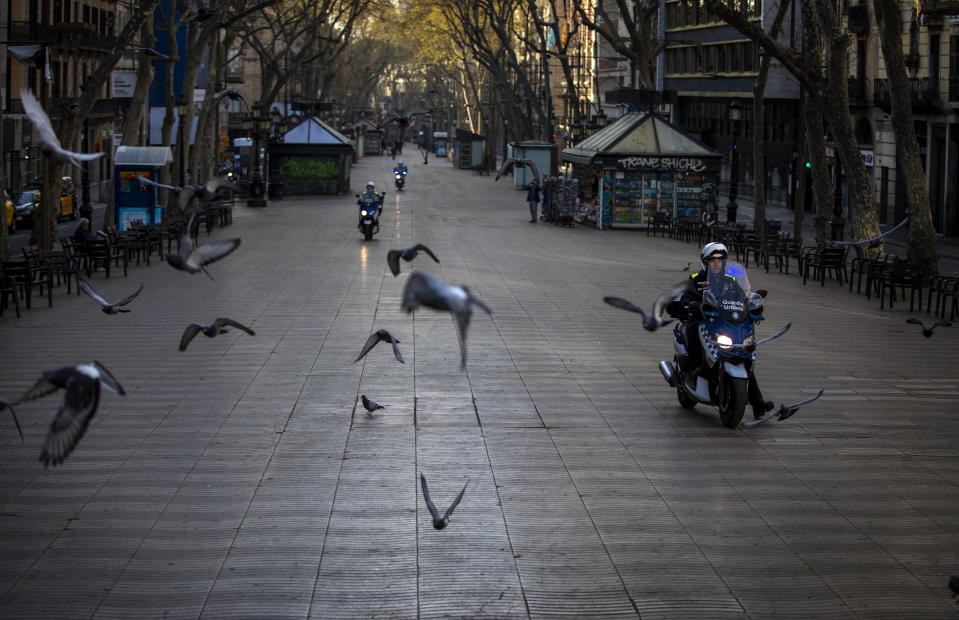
(124, 81)
(661, 163)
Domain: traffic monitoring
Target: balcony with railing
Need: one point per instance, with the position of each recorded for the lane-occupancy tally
(80, 35)
(923, 92)
(940, 7)
(31, 32)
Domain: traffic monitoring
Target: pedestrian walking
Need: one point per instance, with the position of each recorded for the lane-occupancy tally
(532, 197)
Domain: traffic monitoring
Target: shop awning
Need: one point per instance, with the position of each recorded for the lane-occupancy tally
(637, 134)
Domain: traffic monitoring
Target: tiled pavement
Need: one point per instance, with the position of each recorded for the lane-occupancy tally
(241, 478)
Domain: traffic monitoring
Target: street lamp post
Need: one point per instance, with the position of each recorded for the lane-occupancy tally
(86, 210)
(181, 108)
(731, 207)
(257, 194)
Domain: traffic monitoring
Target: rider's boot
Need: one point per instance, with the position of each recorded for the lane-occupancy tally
(760, 406)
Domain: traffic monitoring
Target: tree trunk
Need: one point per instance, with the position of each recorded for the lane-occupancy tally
(922, 235)
(814, 113)
(865, 224)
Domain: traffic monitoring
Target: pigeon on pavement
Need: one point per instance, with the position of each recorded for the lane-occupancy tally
(784, 412)
(107, 307)
(193, 258)
(376, 337)
(217, 327)
(927, 331)
(49, 143)
(438, 521)
(6, 404)
(393, 256)
(686, 268)
(428, 290)
(82, 395)
(370, 405)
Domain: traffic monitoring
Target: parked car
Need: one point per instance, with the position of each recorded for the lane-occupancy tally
(26, 207)
(68, 199)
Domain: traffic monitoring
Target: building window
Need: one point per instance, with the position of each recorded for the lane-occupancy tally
(86, 14)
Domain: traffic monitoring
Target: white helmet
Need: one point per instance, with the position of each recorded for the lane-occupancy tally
(713, 250)
(370, 184)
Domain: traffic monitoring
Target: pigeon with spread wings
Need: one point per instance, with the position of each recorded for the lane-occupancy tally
(438, 521)
(49, 143)
(374, 339)
(393, 256)
(784, 411)
(106, 306)
(204, 193)
(428, 290)
(210, 331)
(6, 404)
(875, 242)
(81, 385)
(520, 163)
(927, 331)
(194, 258)
(656, 317)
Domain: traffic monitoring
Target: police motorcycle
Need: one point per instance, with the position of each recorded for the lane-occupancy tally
(727, 317)
(399, 175)
(371, 205)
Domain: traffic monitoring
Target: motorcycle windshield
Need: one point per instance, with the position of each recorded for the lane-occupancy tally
(728, 291)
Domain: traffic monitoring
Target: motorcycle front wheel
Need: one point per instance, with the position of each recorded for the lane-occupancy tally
(732, 400)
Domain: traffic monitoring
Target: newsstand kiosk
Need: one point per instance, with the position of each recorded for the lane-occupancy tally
(136, 200)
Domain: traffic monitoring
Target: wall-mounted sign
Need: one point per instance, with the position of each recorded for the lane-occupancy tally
(692, 164)
(123, 81)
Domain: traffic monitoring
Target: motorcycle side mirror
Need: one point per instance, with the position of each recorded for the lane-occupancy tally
(762, 292)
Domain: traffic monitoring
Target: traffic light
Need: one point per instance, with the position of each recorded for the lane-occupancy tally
(808, 165)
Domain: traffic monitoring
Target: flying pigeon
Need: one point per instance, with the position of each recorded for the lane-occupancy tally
(106, 306)
(6, 404)
(49, 143)
(686, 268)
(204, 193)
(784, 411)
(370, 405)
(210, 331)
(927, 331)
(376, 337)
(655, 319)
(519, 163)
(193, 258)
(427, 290)
(393, 256)
(82, 395)
(438, 521)
(875, 242)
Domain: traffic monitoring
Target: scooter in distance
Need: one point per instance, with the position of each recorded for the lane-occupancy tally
(399, 176)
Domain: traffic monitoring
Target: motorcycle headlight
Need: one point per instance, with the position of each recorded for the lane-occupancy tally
(398, 176)
(724, 341)
(362, 211)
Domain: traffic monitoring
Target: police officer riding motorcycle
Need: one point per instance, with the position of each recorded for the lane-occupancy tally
(399, 175)
(371, 206)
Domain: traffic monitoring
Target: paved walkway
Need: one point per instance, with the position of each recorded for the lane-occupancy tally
(241, 478)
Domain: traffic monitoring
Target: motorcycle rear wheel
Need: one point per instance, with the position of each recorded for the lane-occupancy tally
(732, 400)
